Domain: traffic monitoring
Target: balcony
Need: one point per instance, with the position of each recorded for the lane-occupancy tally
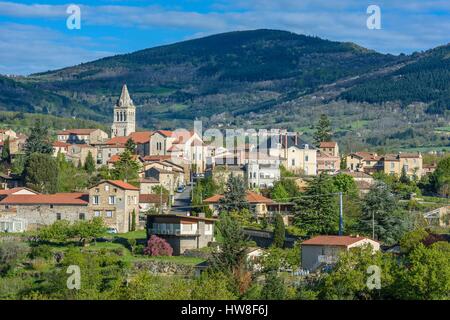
(174, 232)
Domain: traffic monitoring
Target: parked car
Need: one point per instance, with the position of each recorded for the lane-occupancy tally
(111, 230)
(181, 189)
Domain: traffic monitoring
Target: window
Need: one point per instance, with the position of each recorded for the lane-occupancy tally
(95, 199)
(82, 216)
(106, 188)
(306, 158)
(96, 213)
(51, 206)
(97, 190)
(293, 162)
(109, 214)
(58, 216)
(112, 200)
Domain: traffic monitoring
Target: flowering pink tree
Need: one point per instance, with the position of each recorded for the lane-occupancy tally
(157, 246)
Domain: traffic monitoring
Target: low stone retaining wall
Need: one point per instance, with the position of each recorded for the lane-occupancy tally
(164, 267)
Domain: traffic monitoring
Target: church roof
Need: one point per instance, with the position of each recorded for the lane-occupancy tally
(125, 100)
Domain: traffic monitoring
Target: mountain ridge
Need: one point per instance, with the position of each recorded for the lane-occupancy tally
(238, 75)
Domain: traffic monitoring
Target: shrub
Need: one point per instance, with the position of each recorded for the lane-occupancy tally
(157, 246)
(10, 254)
(41, 251)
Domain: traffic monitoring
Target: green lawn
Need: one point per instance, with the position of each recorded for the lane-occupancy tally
(443, 129)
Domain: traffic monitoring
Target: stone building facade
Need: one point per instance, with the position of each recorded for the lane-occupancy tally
(115, 201)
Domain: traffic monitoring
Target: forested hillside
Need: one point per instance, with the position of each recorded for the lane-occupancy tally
(263, 78)
(425, 80)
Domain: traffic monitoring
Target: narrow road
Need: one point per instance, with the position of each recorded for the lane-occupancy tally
(182, 201)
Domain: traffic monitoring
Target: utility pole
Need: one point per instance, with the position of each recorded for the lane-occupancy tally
(373, 225)
(341, 215)
(160, 200)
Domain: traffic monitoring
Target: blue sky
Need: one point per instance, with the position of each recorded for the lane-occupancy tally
(34, 36)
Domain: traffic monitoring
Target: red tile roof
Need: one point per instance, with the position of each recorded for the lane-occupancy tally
(166, 133)
(333, 240)
(75, 198)
(122, 184)
(152, 198)
(156, 158)
(327, 144)
(118, 141)
(77, 131)
(59, 144)
(141, 137)
(116, 157)
(251, 197)
(14, 190)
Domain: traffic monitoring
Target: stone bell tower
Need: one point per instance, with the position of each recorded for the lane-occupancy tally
(124, 121)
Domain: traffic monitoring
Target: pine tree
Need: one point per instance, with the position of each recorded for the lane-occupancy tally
(126, 168)
(279, 232)
(318, 212)
(130, 146)
(41, 173)
(6, 153)
(380, 212)
(39, 140)
(274, 288)
(235, 197)
(89, 164)
(133, 220)
(323, 130)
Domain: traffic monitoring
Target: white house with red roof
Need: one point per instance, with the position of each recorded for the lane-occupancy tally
(324, 250)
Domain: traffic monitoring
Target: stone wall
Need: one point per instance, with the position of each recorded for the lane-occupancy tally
(164, 267)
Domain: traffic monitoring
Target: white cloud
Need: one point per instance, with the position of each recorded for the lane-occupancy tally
(26, 49)
(406, 25)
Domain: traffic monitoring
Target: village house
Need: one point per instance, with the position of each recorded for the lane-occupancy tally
(182, 232)
(77, 153)
(142, 141)
(411, 162)
(82, 136)
(258, 203)
(154, 202)
(262, 175)
(37, 210)
(116, 202)
(324, 250)
(328, 159)
(301, 159)
(110, 148)
(368, 162)
(221, 173)
(329, 147)
(15, 140)
(167, 178)
(148, 185)
(10, 180)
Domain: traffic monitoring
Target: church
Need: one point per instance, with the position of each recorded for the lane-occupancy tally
(124, 122)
